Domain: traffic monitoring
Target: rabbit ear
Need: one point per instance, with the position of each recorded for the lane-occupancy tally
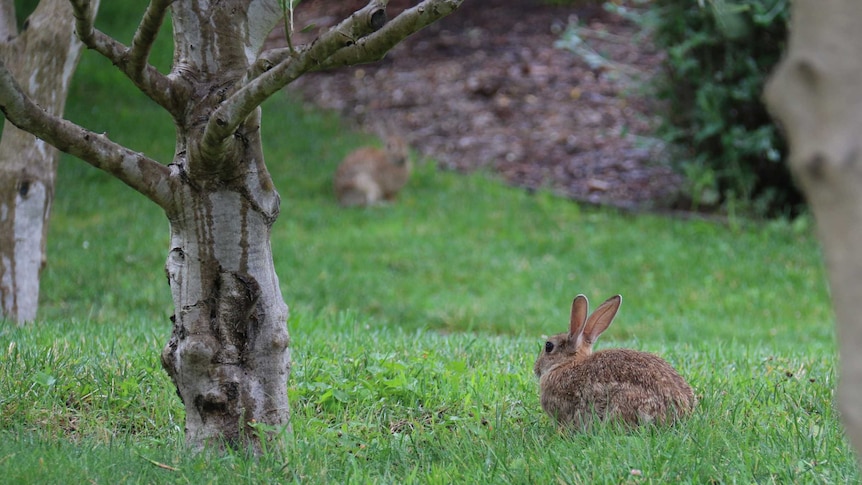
(601, 318)
(580, 308)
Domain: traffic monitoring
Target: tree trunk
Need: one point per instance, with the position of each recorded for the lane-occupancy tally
(45, 54)
(229, 354)
(816, 93)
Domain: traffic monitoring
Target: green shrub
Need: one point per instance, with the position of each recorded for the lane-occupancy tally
(719, 54)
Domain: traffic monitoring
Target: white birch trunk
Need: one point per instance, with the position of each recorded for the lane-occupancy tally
(45, 54)
(816, 93)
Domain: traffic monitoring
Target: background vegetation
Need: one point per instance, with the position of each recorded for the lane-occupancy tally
(415, 327)
(719, 54)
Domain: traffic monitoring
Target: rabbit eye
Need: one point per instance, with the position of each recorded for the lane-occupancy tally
(549, 347)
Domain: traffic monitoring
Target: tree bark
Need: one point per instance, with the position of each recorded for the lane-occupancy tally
(46, 53)
(228, 354)
(815, 94)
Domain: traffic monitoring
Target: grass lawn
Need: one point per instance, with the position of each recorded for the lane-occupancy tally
(414, 329)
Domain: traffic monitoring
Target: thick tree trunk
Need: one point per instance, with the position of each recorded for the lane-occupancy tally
(45, 54)
(816, 93)
(228, 354)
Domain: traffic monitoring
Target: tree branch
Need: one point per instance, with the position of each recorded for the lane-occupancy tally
(375, 46)
(139, 172)
(8, 27)
(279, 68)
(225, 120)
(142, 42)
(130, 61)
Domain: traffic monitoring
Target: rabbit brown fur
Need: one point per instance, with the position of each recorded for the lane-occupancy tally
(370, 175)
(578, 385)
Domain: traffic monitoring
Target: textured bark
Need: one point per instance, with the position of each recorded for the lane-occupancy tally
(816, 93)
(228, 354)
(45, 53)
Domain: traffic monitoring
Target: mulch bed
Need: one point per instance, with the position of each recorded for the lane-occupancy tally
(487, 88)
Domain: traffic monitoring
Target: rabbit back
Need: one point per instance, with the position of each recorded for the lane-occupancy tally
(616, 384)
(395, 171)
(370, 174)
(355, 182)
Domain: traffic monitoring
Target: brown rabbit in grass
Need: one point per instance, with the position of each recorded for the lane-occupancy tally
(578, 385)
(369, 175)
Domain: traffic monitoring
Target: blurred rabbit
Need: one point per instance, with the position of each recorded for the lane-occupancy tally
(578, 385)
(370, 175)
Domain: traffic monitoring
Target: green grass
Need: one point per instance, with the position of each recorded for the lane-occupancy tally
(414, 329)
(88, 402)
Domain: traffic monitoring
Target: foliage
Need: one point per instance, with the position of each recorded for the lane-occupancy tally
(719, 54)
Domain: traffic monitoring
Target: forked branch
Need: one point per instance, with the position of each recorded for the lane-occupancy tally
(363, 37)
(142, 42)
(240, 105)
(133, 62)
(374, 46)
(141, 173)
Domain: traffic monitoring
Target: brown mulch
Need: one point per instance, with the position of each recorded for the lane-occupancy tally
(486, 88)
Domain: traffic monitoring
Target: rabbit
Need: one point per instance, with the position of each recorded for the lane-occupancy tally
(370, 175)
(579, 386)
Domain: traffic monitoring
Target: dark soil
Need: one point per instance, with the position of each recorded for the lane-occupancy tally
(486, 88)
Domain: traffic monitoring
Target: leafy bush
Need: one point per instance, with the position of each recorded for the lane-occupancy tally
(719, 54)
